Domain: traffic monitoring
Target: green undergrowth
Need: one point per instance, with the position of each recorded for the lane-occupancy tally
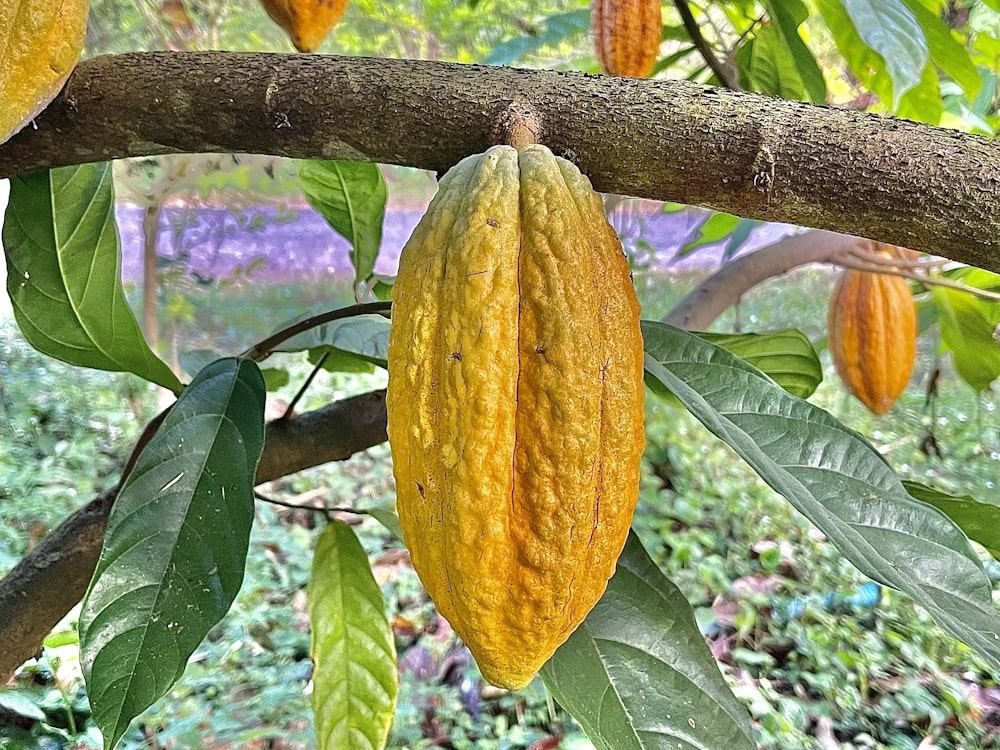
(817, 654)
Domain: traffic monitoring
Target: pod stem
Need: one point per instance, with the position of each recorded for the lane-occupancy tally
(516, 125)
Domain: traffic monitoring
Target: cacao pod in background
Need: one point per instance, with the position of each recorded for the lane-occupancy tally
(872, 328)
(627, 35)
(515, 404)
(307, 22)
(40, 42)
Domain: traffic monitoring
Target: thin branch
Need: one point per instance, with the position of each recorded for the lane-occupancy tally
(265, 348)
(724, 73)
(305, 386)
(847, 261)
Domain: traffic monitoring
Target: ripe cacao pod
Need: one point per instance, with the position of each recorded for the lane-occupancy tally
(627, 35)
(307, 22)
(40, 42)
(515, 404)
(872, 328)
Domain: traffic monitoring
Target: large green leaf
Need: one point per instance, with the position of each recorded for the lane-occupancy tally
(969, 333)
(361, 339)
(837, 480)
(175, 546)
(947, 52)
(889, 28)
(64, 273)
(786, 356)
(786, 17)
(351, 196)
(979, 520)
(354, 679)
(637, 673)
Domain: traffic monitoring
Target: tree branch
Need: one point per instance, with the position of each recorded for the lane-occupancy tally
(726, 74)
(53, 577)
(927, 188)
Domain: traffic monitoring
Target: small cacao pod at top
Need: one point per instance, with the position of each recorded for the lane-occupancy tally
(872, 327)
(515, 404)
(627, 35)
(307, 22)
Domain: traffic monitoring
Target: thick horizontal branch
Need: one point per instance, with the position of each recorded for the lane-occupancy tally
(49, 581)
(928, 188)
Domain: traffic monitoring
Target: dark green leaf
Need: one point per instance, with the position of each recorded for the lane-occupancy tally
(351, 196)
(64, 273)
(837, 480)
(175, 546)
(637, 673)
(354, 678)
(890, 29)
(978, 519)
(970, 336)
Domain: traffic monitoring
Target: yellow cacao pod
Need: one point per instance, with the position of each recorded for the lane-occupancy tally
(515, 404)
(40, 41)
(307, 22)
(627, 35)
(872, 328)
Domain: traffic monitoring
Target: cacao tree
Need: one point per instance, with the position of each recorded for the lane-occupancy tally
(906, 160)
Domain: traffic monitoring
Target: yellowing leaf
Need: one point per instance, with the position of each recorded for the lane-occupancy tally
(40, 42)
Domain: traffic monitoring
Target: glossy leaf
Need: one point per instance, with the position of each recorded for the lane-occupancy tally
(637, 673)
(837, 480)
(353, 647)
(786, 356)
(969, 334)
(175, 546)
(362, 338)
(351, 196)
(890, 29)
(946, 52)
(979, 520)
(64, 273)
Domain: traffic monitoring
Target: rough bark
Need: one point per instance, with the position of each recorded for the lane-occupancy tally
(53, 577)
(928, 188)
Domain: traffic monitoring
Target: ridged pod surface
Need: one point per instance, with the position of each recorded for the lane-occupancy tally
(515, 404)
(627, 35)
(40, 42)
(872, 327)
(307, 22)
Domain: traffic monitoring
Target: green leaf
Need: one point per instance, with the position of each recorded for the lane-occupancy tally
(22, 703)
(890, 29)
(362, 338)
(787, 357)
(388, 518)
(837, 480)
(637, 673)
(175, 546)
(64, 273)
(355, 678)
(946, 51)
(978, 519)
(351, 196)
(721, 227)
(556, 29)
(970, 336)
(786, 18)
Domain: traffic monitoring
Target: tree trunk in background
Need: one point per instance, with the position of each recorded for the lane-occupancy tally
(150, 256)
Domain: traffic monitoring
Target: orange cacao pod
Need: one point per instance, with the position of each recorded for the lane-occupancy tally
(515, 404)
(627, 35)
(307, 22)
(872, 328)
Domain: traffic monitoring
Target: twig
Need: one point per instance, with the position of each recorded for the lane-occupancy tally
(265, 348)
(846, 261)
(723, 72)
(305, 386)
